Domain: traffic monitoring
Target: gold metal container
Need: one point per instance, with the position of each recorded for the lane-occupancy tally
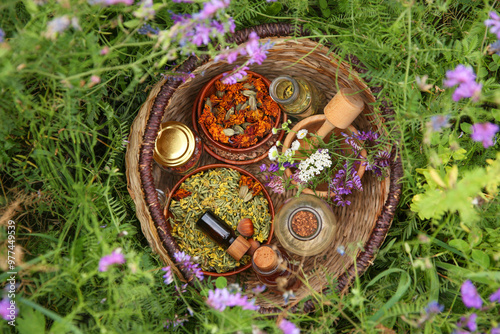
(177, 148)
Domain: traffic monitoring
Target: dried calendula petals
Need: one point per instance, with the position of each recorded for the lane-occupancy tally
(246, 103)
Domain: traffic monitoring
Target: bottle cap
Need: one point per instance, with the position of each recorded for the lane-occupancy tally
(174, 145)
(238, 248)
(265, 258)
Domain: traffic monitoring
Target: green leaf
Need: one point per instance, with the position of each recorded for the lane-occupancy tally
(496, 114)
(274, 9)
(475, 237)
(404, 284)
(461, 245)
(322, 4)
(221, 282)
(30, 321)
(466, 127)
(132, 23)
(481, 258)
(482, 72)
(459, 154)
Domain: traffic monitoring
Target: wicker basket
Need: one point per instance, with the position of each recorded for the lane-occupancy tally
(365, 222)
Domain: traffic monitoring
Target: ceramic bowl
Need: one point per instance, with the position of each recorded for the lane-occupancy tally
(168, 214)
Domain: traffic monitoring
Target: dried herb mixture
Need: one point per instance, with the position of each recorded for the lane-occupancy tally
(216, 190)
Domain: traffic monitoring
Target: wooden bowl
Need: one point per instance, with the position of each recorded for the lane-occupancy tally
(312, 124)
(168, 214)
(227, 153)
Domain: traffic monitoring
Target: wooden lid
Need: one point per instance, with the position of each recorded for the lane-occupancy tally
(238, 248)
(265, 258)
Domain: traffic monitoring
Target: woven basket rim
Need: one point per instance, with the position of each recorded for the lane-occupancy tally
(147, 188)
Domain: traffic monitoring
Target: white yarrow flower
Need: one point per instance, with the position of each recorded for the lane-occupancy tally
(313, 165)
(302, 134)
(289, 153)
(273, 153)
(274, 131)
(295, 145)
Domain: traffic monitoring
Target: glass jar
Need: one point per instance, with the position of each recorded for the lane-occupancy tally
(296, 96)
(273, 267)
(305, 225)
(177, 148)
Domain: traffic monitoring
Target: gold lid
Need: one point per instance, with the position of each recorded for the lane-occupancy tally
(174, 144)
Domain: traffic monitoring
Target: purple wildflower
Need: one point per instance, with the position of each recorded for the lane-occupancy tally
(494, 47)
(471, 322)
(469, 89)
(148, 29)
(56, 26)
(439, 122)
(116, 257)
(175, 322)
(340, 201)
(464, 77)
(230, 55)
(366, 135)
(237, 74)
(145, 11)
(255, 50)
(274, 167)
(351, 142)
(8, 310)
(104, 51)
(494, 23)
(434, 308)
(219, 299)
(210, 8)
(184, 261)
(288, 327)
(484, 132)
(495, 297)
(2, 35)
(495, 330)
(276, 184)
(202, 35)
(461, 74)
(169, 278)
(470, 297)
(263, 167)
(259, 289)
(110, 2)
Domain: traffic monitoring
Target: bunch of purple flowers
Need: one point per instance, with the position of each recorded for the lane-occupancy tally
(326, 163)
(472, 299)
(220, 299)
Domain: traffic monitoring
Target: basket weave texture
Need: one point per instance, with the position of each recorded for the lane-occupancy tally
(365, 222)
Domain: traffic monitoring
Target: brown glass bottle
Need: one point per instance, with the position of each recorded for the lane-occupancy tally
(223, 234)
(272, 265)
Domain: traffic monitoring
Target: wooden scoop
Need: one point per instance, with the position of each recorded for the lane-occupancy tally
(341, 111)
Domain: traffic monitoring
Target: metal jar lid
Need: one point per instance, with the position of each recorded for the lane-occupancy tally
(174, 145)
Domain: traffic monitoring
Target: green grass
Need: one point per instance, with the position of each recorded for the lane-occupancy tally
(63, 173)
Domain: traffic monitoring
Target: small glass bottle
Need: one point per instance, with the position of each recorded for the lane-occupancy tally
(296, 96)
(274, 269)
(305, 225)
(177, 148)
(223, 234)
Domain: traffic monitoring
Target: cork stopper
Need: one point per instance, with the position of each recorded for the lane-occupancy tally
(238, 248)
(265, 258)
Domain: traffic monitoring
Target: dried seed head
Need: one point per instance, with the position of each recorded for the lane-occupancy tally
(252, 102)
(228, 132)
(248, 197)
(229, 113)
(243, 191)
(238, 130)
(249, 93)
(219, 94)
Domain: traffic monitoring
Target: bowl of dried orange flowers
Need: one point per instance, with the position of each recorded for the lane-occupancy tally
(235, 121)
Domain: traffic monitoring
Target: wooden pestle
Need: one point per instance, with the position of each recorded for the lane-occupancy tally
(341, 111)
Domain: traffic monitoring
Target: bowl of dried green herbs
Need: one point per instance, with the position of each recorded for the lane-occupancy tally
(233, 194)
